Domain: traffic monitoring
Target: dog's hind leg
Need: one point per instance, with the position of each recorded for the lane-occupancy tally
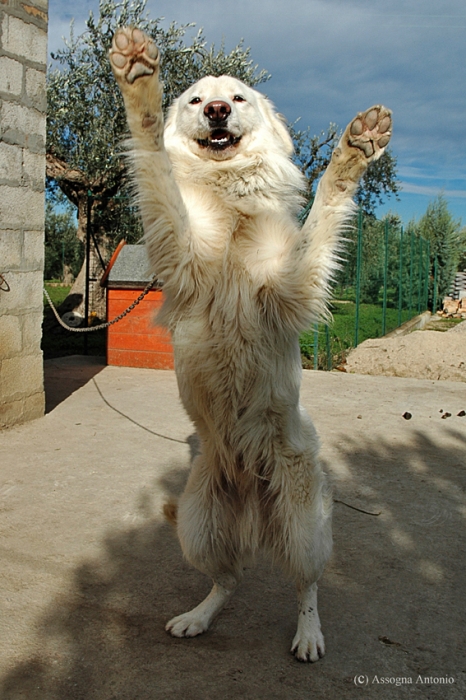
(206, 530)
(300, 538)
(308, 643)
(198, 619)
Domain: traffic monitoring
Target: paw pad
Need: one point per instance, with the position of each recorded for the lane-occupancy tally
(370, 131)
(133, 55)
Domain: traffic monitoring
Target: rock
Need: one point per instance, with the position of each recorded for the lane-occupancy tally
(451, 307)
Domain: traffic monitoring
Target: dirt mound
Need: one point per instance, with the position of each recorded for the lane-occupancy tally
(421, 354)
(460, 328)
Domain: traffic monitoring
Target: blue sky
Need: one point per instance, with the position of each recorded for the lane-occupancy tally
(332, 58)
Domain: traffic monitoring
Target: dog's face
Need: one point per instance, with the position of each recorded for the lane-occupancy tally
(219, 118)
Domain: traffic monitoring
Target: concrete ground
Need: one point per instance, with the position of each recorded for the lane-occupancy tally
(90, 572)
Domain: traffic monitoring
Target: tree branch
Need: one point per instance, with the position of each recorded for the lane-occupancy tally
(71, 181)
(316, 148)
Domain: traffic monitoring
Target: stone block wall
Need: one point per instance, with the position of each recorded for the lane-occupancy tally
(23, 57)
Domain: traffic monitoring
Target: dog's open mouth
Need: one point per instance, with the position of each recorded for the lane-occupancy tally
(219, 139)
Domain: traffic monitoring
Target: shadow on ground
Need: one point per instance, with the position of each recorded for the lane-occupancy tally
(66, 375)
(391, 601)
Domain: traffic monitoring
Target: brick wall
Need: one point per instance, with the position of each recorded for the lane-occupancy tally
(23, 56)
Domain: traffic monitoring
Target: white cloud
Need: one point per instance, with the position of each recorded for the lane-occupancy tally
(431, 191)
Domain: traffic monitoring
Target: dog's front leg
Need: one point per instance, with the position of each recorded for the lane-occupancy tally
(198, 619)
(363, 141)
(308, 644)
(135, 63)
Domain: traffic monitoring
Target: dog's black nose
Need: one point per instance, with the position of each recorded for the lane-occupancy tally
(217, 111)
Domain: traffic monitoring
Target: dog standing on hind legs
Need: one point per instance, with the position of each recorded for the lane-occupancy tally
(219, 197)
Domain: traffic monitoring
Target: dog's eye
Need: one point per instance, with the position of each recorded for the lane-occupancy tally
(238, 98)
(195, 101)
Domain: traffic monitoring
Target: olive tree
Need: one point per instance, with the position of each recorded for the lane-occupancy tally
(86, 119)
(86, 123)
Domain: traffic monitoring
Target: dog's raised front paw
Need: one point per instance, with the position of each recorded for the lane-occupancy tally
(370, 131)
(133, 55)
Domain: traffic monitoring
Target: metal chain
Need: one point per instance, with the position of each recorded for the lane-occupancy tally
(4, 286)
(101, 326)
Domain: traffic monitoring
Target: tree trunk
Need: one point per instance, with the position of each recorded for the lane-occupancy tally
(78, 188)
(97, 300)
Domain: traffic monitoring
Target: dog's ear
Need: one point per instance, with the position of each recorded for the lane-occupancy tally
(277, 123)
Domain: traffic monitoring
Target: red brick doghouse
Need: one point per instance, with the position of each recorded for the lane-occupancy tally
(135, 341)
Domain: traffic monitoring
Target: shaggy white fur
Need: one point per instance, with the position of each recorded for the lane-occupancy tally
(219, 197)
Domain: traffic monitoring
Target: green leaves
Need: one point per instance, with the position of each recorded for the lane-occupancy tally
(62, 248)
(379, 181)
(446, 240)
(313, 153)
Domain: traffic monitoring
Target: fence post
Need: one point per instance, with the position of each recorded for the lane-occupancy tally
(88, 266)
(62, 261)
(400, 280)
(329, 351)
(434, 305)
(385, 281)
(411, 272)
(316, 346)
(426, 278)
(358, 277)
(419, 286)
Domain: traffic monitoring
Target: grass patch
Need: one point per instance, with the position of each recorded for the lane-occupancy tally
(57, 291)
(334, 345)
(442, 324)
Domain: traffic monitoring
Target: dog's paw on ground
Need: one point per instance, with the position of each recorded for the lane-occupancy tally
(370, 131)
(308, 647)
(187, 625)
(133, 55)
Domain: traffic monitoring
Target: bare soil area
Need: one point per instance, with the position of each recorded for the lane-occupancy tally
(426, 354)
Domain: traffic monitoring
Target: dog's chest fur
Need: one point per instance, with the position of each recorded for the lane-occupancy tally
(225, 341)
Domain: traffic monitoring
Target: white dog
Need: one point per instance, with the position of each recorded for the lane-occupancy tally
(219, 198)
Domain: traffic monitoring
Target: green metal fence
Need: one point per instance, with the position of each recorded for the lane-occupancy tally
(387, 278)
